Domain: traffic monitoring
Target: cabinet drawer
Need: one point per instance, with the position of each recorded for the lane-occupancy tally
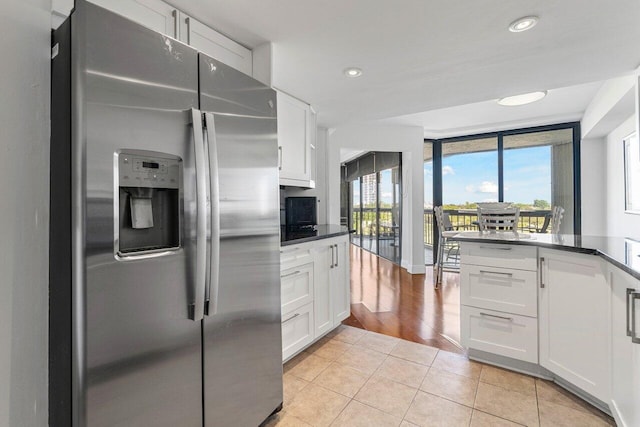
(511, 291)
(499, 255)
(297, 330)
(292, 256)
(500, 333)
(296, 287)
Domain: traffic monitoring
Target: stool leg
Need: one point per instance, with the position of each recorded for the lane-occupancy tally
(441, 261)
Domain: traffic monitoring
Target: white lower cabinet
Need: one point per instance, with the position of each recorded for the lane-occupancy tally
(316, 291)
(296, 287)
(297, 330)
(340, 281)
(574, 320)
(500, 333)
(508, 290)
(323, 252)
(499, 300)
(625, 361)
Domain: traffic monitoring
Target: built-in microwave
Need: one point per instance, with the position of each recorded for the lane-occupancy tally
(301, 211)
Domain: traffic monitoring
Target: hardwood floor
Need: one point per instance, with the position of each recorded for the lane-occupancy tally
(387, 299)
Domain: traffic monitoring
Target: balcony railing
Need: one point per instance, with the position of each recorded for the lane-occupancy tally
(462, 220)
(530, 220)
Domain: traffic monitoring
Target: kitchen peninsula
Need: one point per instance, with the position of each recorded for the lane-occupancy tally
(560, 307)
(314, 276)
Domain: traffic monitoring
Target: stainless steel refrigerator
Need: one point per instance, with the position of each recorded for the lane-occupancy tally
(164, 246)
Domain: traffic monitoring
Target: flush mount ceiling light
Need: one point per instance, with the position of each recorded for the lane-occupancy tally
(525, 98)
(523, 24)
(352, 72)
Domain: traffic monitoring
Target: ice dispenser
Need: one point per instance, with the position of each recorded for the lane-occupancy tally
(149, 209)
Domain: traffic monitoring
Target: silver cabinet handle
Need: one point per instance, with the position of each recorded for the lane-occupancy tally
(495, 248)
(332, 257)
(202, 194)
(290, 274)
(634, 338)
(188, 22)
(541, 272)
(500, 273)
(630, 292)
(174, 13)
(213, 259)
(337, 255)
(510, 319)
(279, 157)
(291, 318)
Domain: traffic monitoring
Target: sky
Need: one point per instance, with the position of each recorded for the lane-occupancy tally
(473, 177)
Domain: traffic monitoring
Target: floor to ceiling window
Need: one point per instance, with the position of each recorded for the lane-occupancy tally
(428, 203)
(534, 168)
(375, 187)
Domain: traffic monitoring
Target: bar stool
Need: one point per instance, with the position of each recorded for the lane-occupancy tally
(445, 231)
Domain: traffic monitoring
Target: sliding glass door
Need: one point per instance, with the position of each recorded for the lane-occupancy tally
(469, 175)
(375, 185)
(534, 168)
(538, 174)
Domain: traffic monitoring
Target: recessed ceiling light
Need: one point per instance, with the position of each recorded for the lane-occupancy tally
(525, 98)
(352, 72)
(523, 24)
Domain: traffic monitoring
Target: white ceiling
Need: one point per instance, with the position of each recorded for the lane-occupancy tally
(424, 55)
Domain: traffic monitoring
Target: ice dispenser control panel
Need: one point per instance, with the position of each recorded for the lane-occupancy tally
(149, 172)
(149, 211)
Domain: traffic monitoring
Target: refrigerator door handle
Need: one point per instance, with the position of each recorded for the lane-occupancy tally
(202, 202)
(211, 291)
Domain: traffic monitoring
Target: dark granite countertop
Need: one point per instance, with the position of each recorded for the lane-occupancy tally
(292, 236)
(622, 252)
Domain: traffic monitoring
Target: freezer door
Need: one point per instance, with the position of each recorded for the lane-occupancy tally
(241, 333)
(135, 89)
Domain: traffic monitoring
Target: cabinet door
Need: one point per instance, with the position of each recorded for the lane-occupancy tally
(154, 14)
(214, 44)
(322, 300)
(296, 287)
(340, 281)
(625, 366)
(574, 321)
(297, 330)
(293, 141)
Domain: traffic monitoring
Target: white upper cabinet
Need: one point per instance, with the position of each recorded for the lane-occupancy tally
(166, 19)
(214, 44)
(294, 141)
(574, 320)
(154, 14)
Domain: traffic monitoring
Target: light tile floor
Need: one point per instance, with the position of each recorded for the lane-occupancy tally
(354, 377)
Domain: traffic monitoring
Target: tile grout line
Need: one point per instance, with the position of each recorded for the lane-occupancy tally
(535, 383)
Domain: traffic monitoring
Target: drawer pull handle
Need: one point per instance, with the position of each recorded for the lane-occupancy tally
(291, 318)
(510, 319)
(634, 337)
(496, 272)
(541, 272)
(290, 274)
(630, 292)
(495, 248)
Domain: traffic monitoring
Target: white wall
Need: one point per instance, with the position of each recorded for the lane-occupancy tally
(593, 167)
(406, 139)
(24, 213)
(619, 223)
